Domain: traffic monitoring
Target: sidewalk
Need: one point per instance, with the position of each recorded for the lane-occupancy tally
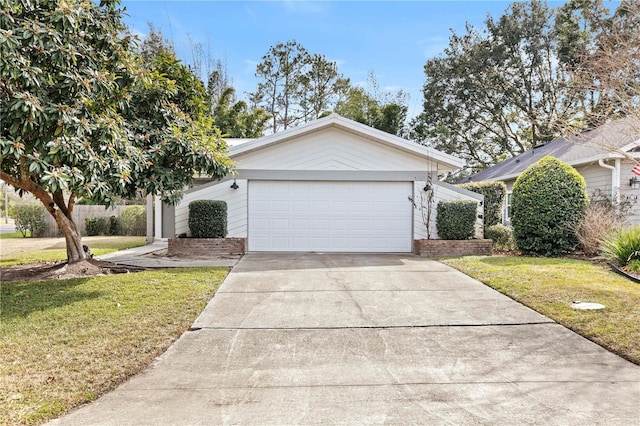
(154, 255)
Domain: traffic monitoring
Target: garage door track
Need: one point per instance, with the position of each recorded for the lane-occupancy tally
(371, 339)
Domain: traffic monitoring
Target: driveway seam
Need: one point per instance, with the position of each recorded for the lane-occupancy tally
(377, 327)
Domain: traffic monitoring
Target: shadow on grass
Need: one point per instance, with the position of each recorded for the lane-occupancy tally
(20, 299)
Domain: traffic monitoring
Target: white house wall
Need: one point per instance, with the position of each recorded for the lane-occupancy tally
(331, 149)
(596, 178)
(236, 206)
(441, 192)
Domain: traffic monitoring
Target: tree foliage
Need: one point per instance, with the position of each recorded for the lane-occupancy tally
(369, 106)
(496, 92)
(82, 118)
(548, 201)
(235, 119)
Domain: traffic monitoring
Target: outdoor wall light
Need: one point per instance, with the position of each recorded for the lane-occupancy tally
(426, 188)
(234, 185)
(634, 182)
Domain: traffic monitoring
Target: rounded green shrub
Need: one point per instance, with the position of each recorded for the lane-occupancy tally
(456, 219)
(501, 236)
(208, 218)
(548, 201)
(29, 219)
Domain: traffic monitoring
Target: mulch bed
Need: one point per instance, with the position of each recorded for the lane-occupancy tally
(62, 270)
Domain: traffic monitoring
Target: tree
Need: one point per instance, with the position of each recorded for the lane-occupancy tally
(154, 43)
(320, 86)
(379, 110)
(235, 120)
(497, 92)
(280, 88)
(548, 202)
(607, 70)
(82, 119)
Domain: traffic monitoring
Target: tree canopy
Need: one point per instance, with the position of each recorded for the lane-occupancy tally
(81, 116)
(528, 77)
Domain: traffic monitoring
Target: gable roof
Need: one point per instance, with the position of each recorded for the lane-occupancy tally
(606, 141)
(344, 124)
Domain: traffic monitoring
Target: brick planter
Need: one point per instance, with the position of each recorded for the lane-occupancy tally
(203, 247)
(436, 248)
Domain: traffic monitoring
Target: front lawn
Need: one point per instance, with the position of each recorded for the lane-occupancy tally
(64, 343)
(53, 250)
(550, 285)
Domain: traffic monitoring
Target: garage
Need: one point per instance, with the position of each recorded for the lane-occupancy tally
(332, 216)
(329, 185)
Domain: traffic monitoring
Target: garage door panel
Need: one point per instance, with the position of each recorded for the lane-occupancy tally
(330, 216)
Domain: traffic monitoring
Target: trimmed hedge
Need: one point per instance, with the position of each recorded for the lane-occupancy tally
(494, 193)
(456, 219)
(548, 201)
(208, 218)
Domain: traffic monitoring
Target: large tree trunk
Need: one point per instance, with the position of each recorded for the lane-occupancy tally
(75, 252)
(55, 204)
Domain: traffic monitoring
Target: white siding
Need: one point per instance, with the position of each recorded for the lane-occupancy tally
(596, 178)
(440, 193)
(236, 206)
(331, 149)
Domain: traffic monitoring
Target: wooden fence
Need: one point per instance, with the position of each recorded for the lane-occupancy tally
(80, 213)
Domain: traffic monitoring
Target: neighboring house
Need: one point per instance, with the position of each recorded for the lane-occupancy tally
(331, 185)
(603, 156)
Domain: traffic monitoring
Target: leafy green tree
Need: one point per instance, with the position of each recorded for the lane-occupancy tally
(280, 88)
(370, 107)
(321, 84)
(80, 118)
(497, 92)
(235, 120)
(549, 199)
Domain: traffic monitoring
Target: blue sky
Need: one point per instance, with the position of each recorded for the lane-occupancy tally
(392, 38)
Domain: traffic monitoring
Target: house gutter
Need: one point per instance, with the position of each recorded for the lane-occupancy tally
(615, 178)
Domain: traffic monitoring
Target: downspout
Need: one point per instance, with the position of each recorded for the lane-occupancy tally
(615, 178)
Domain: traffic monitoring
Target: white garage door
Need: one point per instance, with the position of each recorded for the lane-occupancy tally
(330, 216)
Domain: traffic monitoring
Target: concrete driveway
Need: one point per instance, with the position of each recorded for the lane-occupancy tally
(371, 339)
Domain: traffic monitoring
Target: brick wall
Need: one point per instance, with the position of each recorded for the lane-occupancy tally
(203, 247)
(436, 248)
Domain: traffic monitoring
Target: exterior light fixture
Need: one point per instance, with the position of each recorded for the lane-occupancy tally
(427, 188)
(234, 185)
(634, 183)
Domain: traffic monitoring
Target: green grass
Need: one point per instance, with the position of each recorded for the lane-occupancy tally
(66, 342)
(13, 235)
(98, 248)
(549, 286)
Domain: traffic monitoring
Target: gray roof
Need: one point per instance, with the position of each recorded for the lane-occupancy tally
(587, 147)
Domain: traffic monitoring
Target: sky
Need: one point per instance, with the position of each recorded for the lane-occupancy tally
(393, 39)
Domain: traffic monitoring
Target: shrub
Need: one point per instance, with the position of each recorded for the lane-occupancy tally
(622, 246)
(134, 220)
(501, 235)
(599, 220)
(114, 225)
(92, 226)
(548, 201)
(494, 193)
(208, 219)
(456, 219)
(29, 218)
